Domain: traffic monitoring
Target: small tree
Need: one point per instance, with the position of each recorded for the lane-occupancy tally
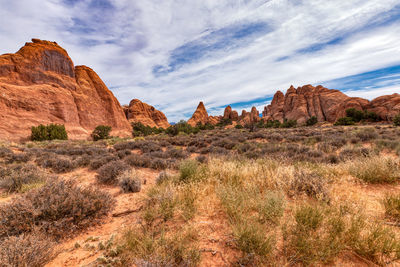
(101, 132)
(312, 121)
(396, 120)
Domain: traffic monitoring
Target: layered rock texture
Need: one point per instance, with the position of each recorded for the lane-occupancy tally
(387, 106)
(40, 84)
(304, 102)
(137, 111)
(201, 116)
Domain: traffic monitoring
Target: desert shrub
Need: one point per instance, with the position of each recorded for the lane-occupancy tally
(181, 127)
(129, 182)
(351, 153)
(158, 164)
(18, 157)
(4, 151)
(97, 162)
(312, 121)
(337, 142)
(138, 160)
(177, 153)
(311, 239)
(48, 132)
(188, 170)
(15, 178)
(162, 177)
(202, 159)
(354, 114)
(332, 159)
(396, 120)
(320, 233)
(101, 132)
(310, 184)
(177, 249)
(250, 238)
(288, 124)
(57, 208)
(270, 207)
(358, 115)
(108, 174)
(239, 126)
(367, 134)
(139, 129)
(344, 121)
(123, 153)
(58, 164)
(392, 207)
(31, 250)
(376, 170)
(275, 137)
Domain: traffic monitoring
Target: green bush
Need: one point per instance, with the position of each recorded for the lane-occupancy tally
(101, 132)
(139, 129)
(312, 121)
(396, 120)
(239, 126)
(182, 127)
(358, 115)
(48, 132)
(344, 121)
(289, 124)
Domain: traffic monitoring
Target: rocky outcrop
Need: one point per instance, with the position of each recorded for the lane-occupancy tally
(230, 114)
(387, 107)
(39, 85)
(137, 111)
(304, 102)
(199, 116)
(251, 117)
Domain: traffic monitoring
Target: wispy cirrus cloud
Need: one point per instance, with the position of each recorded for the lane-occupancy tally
(172, 54)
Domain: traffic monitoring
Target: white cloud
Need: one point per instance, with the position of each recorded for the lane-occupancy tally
(126, 42)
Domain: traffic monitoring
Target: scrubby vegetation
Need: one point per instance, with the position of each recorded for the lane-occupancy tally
(48, 132)
(101, 132)
(191, 196)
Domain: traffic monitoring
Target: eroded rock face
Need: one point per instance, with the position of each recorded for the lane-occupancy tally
(231, 114)
(199, 116)
(40, 85)
(137, 111)
(387, 106)
(304, 102)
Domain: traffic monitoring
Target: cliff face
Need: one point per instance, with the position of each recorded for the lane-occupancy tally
(137, 111)
(39, 84)
(304, 102)
(199, 116)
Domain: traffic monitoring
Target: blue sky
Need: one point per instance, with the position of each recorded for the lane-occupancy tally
(174, 53)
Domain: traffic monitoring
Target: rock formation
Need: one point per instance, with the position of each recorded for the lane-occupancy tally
(230, 114)
(387, 106)
(39, 85)
(199, 116)
(137, 111)
(304, 102)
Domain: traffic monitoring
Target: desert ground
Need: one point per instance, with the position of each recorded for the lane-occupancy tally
(320, 196)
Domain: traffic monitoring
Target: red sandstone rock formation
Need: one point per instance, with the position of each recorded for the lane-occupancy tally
(137, 111)
(387, 106)
(199, 116)
(304, 102)
(39, 85)
(230, 114)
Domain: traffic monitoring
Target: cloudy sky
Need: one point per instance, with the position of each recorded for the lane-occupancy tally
(174, 53)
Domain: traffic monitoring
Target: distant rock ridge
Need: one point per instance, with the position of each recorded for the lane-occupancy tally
(326, 104)
(137, 111)
(40, 85)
